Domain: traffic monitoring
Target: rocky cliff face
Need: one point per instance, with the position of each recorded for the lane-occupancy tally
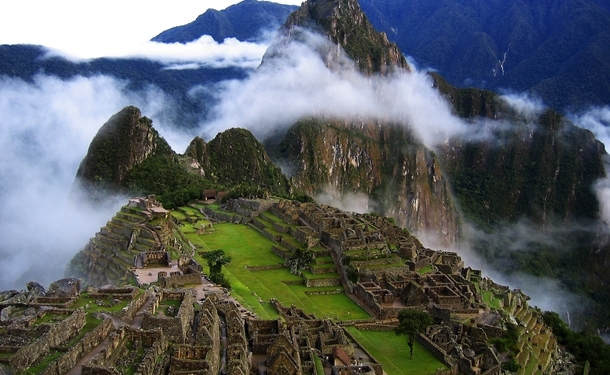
(538, 166)
(400, 176)
(384, 161)
(237, 158)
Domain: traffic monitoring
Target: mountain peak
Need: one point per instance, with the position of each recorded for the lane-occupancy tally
(346, 25)
(124, 141)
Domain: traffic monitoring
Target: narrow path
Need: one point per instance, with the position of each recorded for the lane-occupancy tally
(76, 370)
(223, 334)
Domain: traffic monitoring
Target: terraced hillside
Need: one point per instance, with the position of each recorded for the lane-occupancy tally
(329, 243)
(134, 236)
(357, 270)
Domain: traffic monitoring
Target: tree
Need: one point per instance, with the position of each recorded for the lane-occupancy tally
(217, 259)
(411, 323)
(300, 260)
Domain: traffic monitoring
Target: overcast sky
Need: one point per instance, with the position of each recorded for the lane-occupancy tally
(88, 29)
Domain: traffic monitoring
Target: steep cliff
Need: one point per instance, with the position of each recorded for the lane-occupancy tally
(536, 165)
(400, 176)
(382, 160)
(237, 158)
(124, 141)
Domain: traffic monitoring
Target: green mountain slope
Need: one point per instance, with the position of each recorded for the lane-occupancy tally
(129, 156)
(558, 50)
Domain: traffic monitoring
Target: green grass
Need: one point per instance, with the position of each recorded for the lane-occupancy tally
(178, 215)
(93, 307)
(310, 276)
(53, 355)
(273, 218)
(248, 248)
(393, 353)
(491, 300)
(425, 270)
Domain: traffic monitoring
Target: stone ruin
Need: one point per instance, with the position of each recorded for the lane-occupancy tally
(159, 331)
(395, 272)
(288, 344)
(141, 234)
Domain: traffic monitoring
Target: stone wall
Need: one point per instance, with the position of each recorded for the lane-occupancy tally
(372, 262)
(264, 268)
(257, 222)
(175, 281)
(132, 307)
(288, 245)
(322, 270)
(284, 254)
(314, 283)
(280, 228)
(389, 270)
(63, 302)
(154, 343)
(118, 293)
(69, 359)
(218, 216)
(324, 292)
(331, 242)
(177, 329)
(57, 335)
(159, 346)
(375, 327)
(438, 353)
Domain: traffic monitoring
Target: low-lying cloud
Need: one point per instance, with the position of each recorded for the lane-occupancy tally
(203, 52)
(45, 129)
(597, 120)
(346, 201)
(297, 83)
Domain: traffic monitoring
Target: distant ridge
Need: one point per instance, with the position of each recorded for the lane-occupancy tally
(557, 50)
(244, 21)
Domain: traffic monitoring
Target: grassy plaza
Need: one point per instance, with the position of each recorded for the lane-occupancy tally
(248, 248)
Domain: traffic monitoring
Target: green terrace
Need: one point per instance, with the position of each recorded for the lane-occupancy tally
(254, 288)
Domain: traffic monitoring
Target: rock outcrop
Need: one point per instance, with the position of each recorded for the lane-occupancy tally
(126, 140)
(400, 176)
(346, 25)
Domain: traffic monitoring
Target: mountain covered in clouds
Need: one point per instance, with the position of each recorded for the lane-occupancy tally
(557, 50)
(138, 74)
(511, 180)
(245, 21)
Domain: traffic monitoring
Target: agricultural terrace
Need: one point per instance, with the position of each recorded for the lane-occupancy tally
(254, 288)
